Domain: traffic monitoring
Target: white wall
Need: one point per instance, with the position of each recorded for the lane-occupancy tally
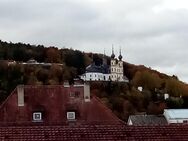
(173, 120)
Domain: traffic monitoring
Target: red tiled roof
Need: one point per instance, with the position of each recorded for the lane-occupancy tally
(54, 102)
(95, 122)
(95, 133)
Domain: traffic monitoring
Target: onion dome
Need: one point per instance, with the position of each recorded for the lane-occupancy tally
(120, 57)
(113, 56)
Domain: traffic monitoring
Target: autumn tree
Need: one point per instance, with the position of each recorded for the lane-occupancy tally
(53, 55)
(56, 73)
(174, 102)
(74, 58)
(156, 108)
(176, 88)
(147, 80)
(42, 75)
(15, 76)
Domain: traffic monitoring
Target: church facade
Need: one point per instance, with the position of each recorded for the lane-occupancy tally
(104, 72)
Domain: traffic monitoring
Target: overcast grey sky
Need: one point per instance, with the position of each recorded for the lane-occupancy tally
(150, 32)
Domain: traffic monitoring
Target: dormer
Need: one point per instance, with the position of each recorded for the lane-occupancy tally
(38, 113)
(71, 116)
(37, 116)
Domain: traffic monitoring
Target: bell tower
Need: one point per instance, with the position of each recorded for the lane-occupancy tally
(120, 66)
(113, 66)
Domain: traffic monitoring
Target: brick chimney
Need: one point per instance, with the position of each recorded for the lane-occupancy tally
(86, 92)
(20, 94)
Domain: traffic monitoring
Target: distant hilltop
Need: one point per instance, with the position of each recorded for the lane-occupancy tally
(38, 65)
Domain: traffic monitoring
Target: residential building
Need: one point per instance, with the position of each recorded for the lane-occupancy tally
(34, 62)
(141, 120)
(47, 104)
(176, 115)
(71, 112)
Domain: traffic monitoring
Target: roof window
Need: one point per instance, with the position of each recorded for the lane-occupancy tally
(37, 116)
(71, 116)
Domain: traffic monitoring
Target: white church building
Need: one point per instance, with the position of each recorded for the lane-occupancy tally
(104, 72)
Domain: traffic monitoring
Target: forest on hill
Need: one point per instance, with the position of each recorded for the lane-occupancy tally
(124, 99)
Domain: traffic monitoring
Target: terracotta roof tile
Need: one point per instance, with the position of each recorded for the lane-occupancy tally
(94, 133)
(54, 102)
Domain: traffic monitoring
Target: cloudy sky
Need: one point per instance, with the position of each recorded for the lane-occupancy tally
(150, 32)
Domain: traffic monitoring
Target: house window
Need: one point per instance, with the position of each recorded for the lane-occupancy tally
(71, 116)
(77, 94)
(185, 121)
(72, 94)
(37, 116)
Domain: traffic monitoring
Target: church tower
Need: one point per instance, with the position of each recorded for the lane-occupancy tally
(116, 67)
(120, 67)
(113, 74)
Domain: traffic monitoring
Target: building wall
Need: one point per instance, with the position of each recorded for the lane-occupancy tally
(174, 120)
(116, 69)
(54, 102)
(129, 122)
(94, 76)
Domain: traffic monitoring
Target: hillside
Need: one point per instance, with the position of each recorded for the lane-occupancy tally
(67, 64)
